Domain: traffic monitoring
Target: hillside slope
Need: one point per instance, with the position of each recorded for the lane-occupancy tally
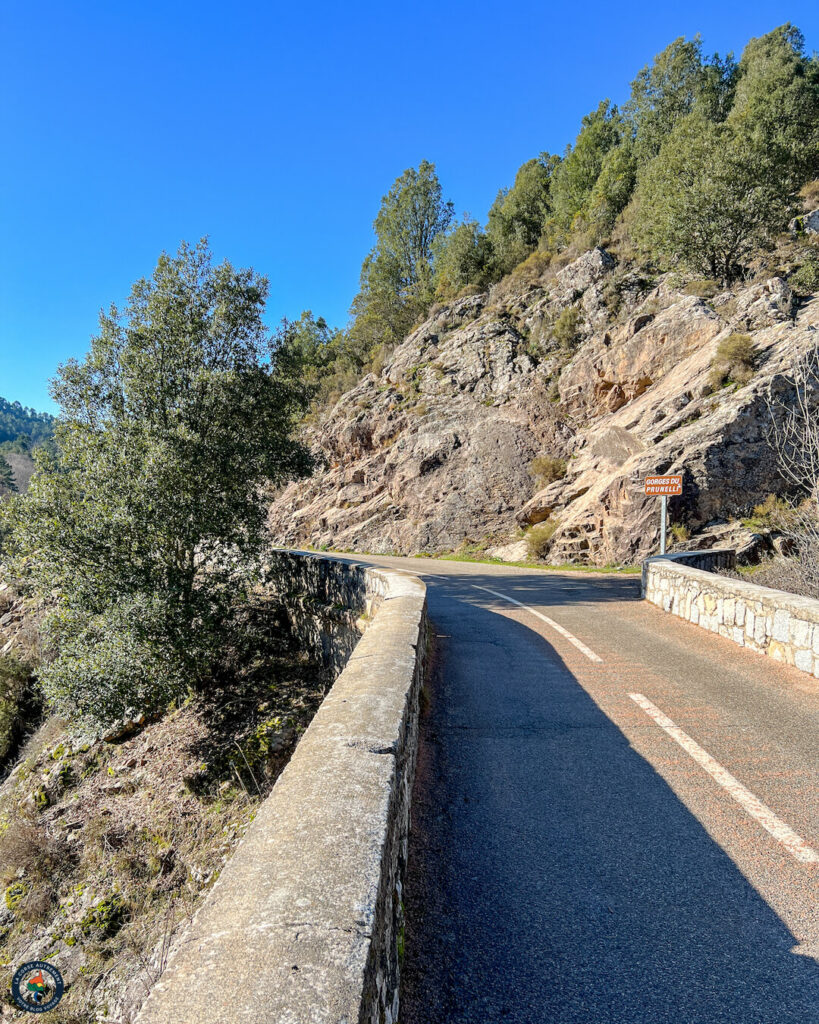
(592, 363)
(22, 466)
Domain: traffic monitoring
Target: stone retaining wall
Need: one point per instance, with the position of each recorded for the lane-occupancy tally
(328, 602)
(781, 625)
(305, 924)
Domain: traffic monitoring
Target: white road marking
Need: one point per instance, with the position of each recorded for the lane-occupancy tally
(549, 622)
(793, 843)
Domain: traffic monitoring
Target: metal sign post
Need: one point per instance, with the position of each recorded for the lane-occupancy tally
(663, 486)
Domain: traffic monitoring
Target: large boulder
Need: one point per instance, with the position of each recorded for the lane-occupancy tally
(582, 273)
(761, 305)
(808, 223)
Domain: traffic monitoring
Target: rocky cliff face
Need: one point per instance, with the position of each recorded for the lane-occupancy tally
(593, 364)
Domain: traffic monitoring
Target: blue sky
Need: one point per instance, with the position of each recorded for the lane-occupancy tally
(275, 129)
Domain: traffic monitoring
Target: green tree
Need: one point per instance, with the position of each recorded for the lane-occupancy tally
(141, 529)
(776, 109)
(676, 82)
(517, 216)
(7, 484)
(611, 192)
(720, 191)
(463, 256)
(314, 347)
(576, 175)
(703, 205)
(397, 276)
(327, 360)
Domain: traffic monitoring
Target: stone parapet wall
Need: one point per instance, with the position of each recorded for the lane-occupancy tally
(783, 626)
(327, 602)
(305, 923)
(708, 561)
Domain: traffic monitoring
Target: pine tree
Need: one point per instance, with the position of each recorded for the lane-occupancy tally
(7, 484)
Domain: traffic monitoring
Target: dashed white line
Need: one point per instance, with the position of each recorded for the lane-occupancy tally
(784, 834)
(549, 622)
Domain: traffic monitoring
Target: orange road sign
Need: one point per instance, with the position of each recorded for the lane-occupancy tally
(663, 484)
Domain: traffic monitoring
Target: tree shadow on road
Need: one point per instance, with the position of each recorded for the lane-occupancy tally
(548, 588)
(554, 875)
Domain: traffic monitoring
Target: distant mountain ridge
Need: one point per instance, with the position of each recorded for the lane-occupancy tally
(21, 430)
(24, 426)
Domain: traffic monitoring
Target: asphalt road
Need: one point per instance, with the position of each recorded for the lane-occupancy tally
(570, 860)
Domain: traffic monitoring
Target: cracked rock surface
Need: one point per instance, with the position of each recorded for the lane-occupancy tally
(436, 450)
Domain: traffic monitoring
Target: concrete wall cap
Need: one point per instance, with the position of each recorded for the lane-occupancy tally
(301, 925)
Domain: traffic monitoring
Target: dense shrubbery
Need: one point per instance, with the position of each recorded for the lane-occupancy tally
(14, 678)
(805, 279)
(142, 528)
(566, 326)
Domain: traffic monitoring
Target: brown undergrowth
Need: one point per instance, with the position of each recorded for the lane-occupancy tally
(107, 847)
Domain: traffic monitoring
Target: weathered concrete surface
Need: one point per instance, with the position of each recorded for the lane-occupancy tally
(306, 921)
(783, 626)
(328, 604)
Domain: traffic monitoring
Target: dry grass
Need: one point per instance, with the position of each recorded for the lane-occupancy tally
(539, 539)
(703, 288)
(733, 362)
(680, 533)
(535, 269)
(810, 195)
(547, 468)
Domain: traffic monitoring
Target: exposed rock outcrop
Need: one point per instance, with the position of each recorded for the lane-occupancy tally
(436, 450)
(19, 622)
(808, 223)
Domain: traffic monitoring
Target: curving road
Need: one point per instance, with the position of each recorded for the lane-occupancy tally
(615, 817)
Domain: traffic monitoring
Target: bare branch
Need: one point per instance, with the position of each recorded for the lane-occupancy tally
(794, 429)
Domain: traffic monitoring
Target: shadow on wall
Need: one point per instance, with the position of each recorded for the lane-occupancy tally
(554, 876)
